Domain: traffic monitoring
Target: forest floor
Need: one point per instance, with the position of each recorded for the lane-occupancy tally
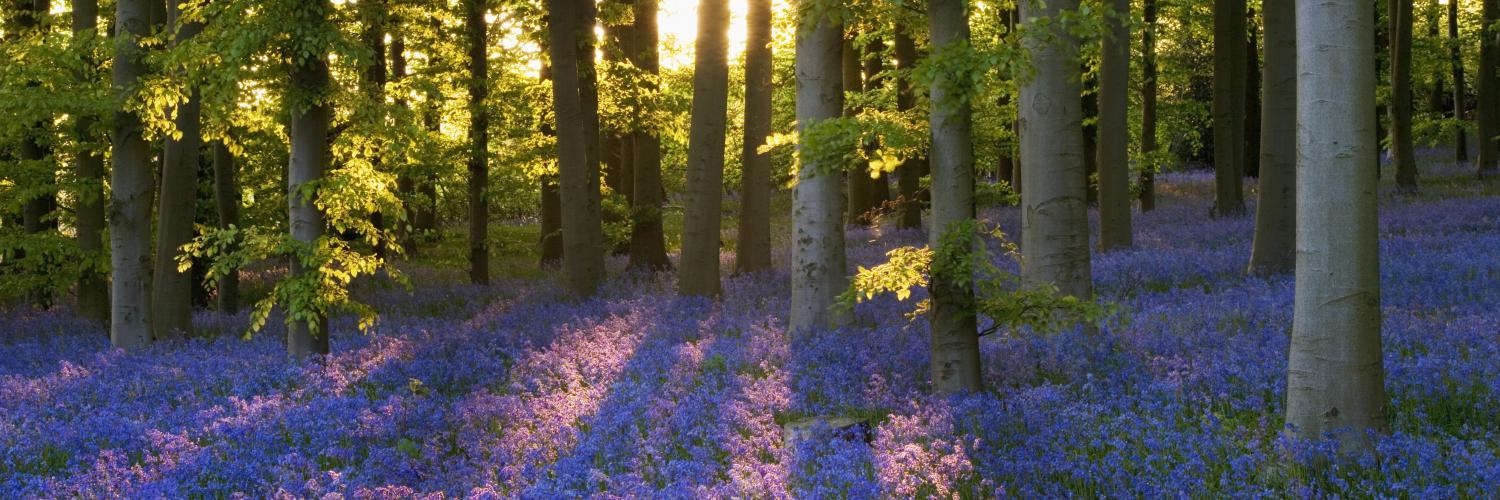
(514, 390)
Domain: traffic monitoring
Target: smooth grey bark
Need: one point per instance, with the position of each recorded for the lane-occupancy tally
(171, 290)
(93, 287)
(1405, 158)
(1054, 207)
(1487, 112)
(1148, 106)
(1460, 93)
(954, 365)
(699, 266)
(1114, 132)
(648, 247)
(861, 194)
(1335, 379)
(582, 232)
(476, 32)
(227, 200)
(130, 187)
(908, 175)
(753, 249)
(309, 158)
(1229, 107)
(1275, 213)
(818, 261)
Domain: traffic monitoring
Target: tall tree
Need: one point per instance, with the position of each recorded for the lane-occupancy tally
(1275, 214)
(1460, 93)
(1148, 107)
(310, 115)
(93, 289)
(374, 16)
(37, 211)
(1229, 107)
(705, 168)
(753, 249)
(582, 234)
(1054, 211)
(648, 248)
(477, 35)
(909, 174)
(171, 290)
(1335, 380)
(1487, 111)
(551, 231)
(818, 261)
(1401, 94)
(227, 200)
(1114, 131)
(130, 186)
(954, 342)
(874, 67)
(1251, 149)
(861, 186)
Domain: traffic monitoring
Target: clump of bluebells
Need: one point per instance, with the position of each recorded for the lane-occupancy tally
(517, 391)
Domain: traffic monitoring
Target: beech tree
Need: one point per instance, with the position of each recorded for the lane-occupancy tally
(1404, 153)
(310, 114)
(1460, 92)
(1054, 207)
(93, 287)
(753, 249)
(1275, 212)
(1335, 378)
(1114, 131)
(227, 201)
(699, 273)
(476, 34)
(1148, 107)
(130, 187)
(1487, 110)
(1229, 107)
(648, 248)
(582, 234)
(818, 265)
(909, 174)
(171, 289)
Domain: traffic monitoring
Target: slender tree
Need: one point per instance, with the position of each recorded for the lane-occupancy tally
(874, 67)
(1229, 107)
(1251, 148)
(1487, 112)
(861, 194)
(1054, 211)
(1114, 132)
(818, 265)
(909, 174)
(551, 231)
(648, 248)
(954, 342)
(1401, 94)
(88, 165)
(1335, 380)
(1460, 93)
(171, 290)
(753, 249)
(1275, 213)
(130, 187)
(1148, 107)
(705, 169)
(582, 235)
(310, 115)
(37, 211)
(227, 200)
(374, 18)
(477, 35)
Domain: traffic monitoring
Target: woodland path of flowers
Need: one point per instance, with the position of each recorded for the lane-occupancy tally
(514, 391)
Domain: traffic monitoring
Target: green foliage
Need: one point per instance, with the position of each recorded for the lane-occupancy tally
(963, 256)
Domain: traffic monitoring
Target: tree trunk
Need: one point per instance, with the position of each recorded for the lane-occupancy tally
(1054, 208)
(309, 158)
(93, 287)
(1114, 132)
(374, 15)
(861, 186)
(1488, 109)
(1401, 95)
(753, 252)
(1229, 107)
(37, 210)
(1335, 379)
(1251, 150)
(908, 175)
(1148, 108)
(1460, 92)
(648, 248)
(1275, 213)
(954, 342)
(476, 31)
(551, 223)
(406, 185)
(699, 274)
(583, 238)
(130, 187)
(1090, 103)
(818, 265)
(880, 187)
(227, 198)
(171, 291)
